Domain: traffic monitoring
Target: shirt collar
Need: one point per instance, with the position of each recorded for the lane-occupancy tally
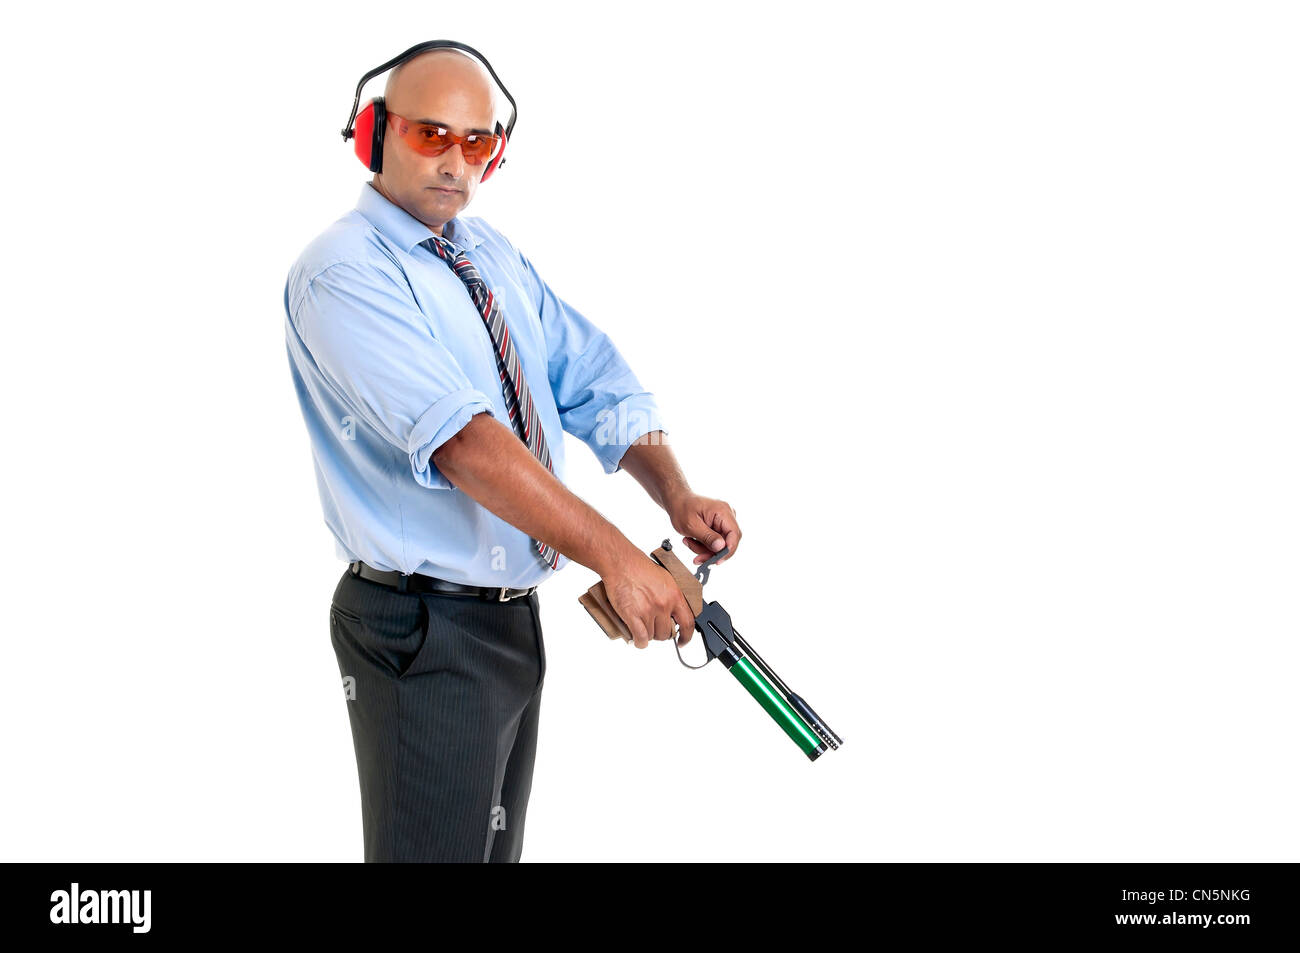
(405, 229)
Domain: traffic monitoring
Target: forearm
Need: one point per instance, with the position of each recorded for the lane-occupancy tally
(652, 463)
(488, 462)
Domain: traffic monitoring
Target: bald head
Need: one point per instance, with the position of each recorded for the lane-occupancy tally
(448, 88)
(444, 70)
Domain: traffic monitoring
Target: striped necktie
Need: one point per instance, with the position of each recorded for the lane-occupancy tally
(519, 402)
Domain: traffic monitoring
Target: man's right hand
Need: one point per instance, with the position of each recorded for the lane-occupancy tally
(647, 599)
(488, 462)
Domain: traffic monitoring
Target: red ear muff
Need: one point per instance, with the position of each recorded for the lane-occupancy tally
(500, 156)
(368, 137)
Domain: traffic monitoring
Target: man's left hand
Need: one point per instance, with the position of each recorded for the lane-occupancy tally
(706, 526)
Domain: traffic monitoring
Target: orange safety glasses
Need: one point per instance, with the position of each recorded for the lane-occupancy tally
(431, 140)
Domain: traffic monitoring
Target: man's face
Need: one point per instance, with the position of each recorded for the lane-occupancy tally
(451, 93)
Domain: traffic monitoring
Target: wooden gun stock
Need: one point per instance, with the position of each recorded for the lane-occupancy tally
(596, 601)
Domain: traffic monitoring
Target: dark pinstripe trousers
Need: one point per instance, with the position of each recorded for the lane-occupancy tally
(443, 695)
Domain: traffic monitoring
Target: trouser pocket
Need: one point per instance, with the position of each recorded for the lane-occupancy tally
(388, 629)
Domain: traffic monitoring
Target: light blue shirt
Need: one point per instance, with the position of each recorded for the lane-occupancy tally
(390, 358)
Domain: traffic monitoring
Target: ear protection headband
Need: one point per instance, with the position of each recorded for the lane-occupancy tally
(373, 120)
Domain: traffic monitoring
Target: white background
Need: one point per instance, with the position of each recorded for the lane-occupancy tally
(982, 316)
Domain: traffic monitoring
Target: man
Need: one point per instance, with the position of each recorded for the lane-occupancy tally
(448, 518)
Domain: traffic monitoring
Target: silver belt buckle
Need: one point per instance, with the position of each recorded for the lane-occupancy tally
(501, 595)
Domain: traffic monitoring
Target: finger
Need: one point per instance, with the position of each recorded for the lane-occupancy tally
(706, 533)
(695, 546)
(663, 628)
(639, 637)
(685, 621)
(726, 524)
(701, 552)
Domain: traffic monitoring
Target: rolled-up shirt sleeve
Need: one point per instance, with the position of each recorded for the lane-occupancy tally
(372, 344)
(599, 398)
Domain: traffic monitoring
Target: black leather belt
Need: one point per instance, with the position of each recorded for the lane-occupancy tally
(416, 582)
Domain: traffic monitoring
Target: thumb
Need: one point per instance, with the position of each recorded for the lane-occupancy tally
(711, 539)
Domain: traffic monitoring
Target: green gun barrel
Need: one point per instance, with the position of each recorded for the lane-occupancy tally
(776, 706)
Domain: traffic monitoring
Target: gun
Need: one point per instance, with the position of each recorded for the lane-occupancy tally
(722, 641)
